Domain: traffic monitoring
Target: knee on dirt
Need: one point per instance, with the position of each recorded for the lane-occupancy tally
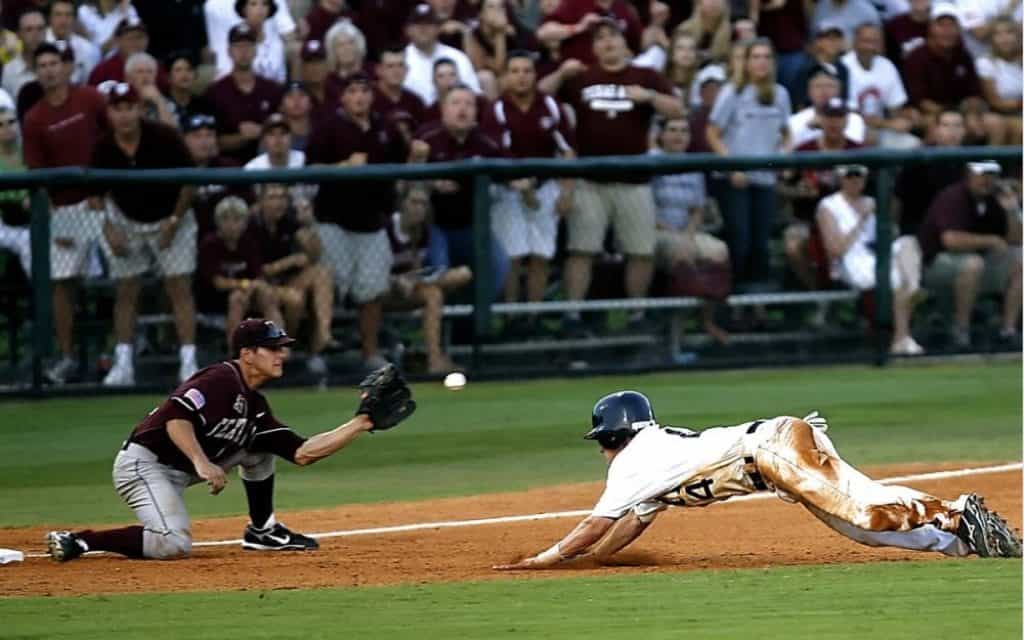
(171, 545)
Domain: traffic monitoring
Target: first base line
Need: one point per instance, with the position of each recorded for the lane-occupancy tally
(477, 522)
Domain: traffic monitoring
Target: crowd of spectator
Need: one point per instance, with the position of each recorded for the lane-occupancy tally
(140, 84)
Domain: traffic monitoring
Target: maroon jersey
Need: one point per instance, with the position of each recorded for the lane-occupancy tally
(785, 27)
(455, 210)
(902, 35)
(160, 147)
(355, 206)
(214, 259)
(945, 80)
(580, 46)
(112, 70)
(608, 122)
(226, 414)
(234, 107)
(404, 114)
(64, 136)
(542, 131)
(955, 208)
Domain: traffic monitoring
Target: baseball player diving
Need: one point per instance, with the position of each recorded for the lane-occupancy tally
(651, 467)
(215, 421)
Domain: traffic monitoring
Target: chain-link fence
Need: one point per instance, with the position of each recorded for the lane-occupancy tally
(501, 267)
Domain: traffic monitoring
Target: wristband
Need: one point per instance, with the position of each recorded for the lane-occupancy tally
(552, 555)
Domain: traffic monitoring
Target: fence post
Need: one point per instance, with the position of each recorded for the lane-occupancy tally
(42, 292)
(883, 260)
(483, 292)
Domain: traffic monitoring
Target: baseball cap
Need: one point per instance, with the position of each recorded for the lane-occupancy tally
(710, 73)
(241, 32)
(296, 85)
(835, 107)
(131, 23)
(276, 121)
(985, 167)
(60, 48)
(423, 13)
(199, 121)
(257, 332)
(851, 170)
(313, 50)
(119, 92)
(606, 21)
(359, 77)
(826, 28)
(945, 10)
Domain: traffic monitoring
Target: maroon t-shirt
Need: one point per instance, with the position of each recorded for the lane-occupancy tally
(320, 21)
(226, 414)
(902, 35)
(785, 27)
(112, 69)
(64, 136)
(274, 244)
(355, 206)
(945, 80)
(215, 258)
(160, 147)
(383, 22)
(581, 45)
(404, 114)
(455, 210)
(956, 209)
(235, 107)
(542, 131)
(607, 122)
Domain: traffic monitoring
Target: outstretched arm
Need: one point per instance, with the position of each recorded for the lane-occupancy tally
(622, 534)
(587, 532)
(329, 442)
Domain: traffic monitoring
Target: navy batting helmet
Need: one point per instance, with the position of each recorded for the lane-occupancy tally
(618, 416)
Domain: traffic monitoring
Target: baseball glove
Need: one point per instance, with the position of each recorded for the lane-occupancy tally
(385, 398)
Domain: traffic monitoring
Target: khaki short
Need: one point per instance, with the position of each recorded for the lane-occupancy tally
(144, 252)
(75, 229)
(678, 246)
(361, 262)
(943, 270)
(629, 208)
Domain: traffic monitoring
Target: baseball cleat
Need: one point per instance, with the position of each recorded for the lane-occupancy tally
(276, 538)
(64, 545)
(974, 526)
(1007, 543)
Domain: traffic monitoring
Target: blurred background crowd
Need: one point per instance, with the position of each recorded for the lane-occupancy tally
(260, 84)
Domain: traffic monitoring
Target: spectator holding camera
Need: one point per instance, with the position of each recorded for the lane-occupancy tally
(148, 227)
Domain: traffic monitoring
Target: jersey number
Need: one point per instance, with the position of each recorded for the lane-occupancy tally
(700, 490)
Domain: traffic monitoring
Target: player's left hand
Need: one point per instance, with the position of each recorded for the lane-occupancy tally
(525, 563)
(385, 398)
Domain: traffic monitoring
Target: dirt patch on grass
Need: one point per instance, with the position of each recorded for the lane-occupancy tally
(758, 533)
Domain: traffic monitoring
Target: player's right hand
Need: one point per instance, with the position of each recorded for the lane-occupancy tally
(214, 476)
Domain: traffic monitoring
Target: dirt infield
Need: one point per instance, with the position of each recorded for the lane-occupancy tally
(757, 533)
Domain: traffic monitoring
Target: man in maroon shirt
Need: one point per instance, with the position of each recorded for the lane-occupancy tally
(351, 214)
(972, 244)
(313, 75)
(528, 124)
(212, 423)
(147, 226)
(400, 107)
(906, 32)
(614, 104)
(571, 24)
(60, 130)
(132, 37)
(243, 100)
(200, 135)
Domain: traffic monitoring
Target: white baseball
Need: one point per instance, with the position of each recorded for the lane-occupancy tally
(454, 381)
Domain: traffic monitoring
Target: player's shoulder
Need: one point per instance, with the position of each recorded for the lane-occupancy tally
(222, 377)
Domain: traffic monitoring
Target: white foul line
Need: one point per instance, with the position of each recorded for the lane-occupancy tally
(451, 524)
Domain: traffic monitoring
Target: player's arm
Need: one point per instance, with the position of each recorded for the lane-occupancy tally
(622, 534)
(586, 534)
(183, 435)
(327, 443)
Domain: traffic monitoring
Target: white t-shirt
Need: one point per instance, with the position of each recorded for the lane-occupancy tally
(974, 13)
(420, 79)
(663, 466)
(296, 160)
(221, 16)
(800, 130)
(878, 89)
(1008, 76)
(6, 102)
(98, 27)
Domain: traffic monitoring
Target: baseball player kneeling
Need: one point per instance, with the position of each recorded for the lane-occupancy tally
(215, 421)
(651, 467)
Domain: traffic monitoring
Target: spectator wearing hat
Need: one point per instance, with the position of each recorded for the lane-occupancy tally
(423, 28)
(98, 20)
(21, 69)
(826, 48)
(313, 72)
(917, 184)
(351, 215)
(223, 15)
(402, 108)
(270, 60)
(61, 27)
(182, 90)
(346, 55)
(148, 227)
(61, 130)
(323, 15)
(785, 23)
(906, 32)
(200, 135)
(706, 86)
(848, 228)
(243, 99)
(823, 91)
(876, 91)
(279, 154)
(711, 28)
(572, 21)
(972, 244)
(845, 14)
(32, 92)
(132, 37)
(297, 108)
(140, 72)
(614, 104)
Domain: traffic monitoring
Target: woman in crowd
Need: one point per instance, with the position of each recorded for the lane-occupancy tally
(1002, 77)
(682, 67)
(710, 27)
(271, 48)
(494, 34)
(181, 93)
(346, 54)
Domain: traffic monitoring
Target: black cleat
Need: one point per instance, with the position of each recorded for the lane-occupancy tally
(64, 545)
(974, 527)
(276, 538)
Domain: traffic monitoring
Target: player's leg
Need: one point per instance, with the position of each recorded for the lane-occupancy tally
(264, 532)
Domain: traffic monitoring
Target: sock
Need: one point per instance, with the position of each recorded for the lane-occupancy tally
(123, 354)
(126, 541)
(260, 495)
(187, 353)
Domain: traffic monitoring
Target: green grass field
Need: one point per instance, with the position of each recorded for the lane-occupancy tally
(55, 469)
